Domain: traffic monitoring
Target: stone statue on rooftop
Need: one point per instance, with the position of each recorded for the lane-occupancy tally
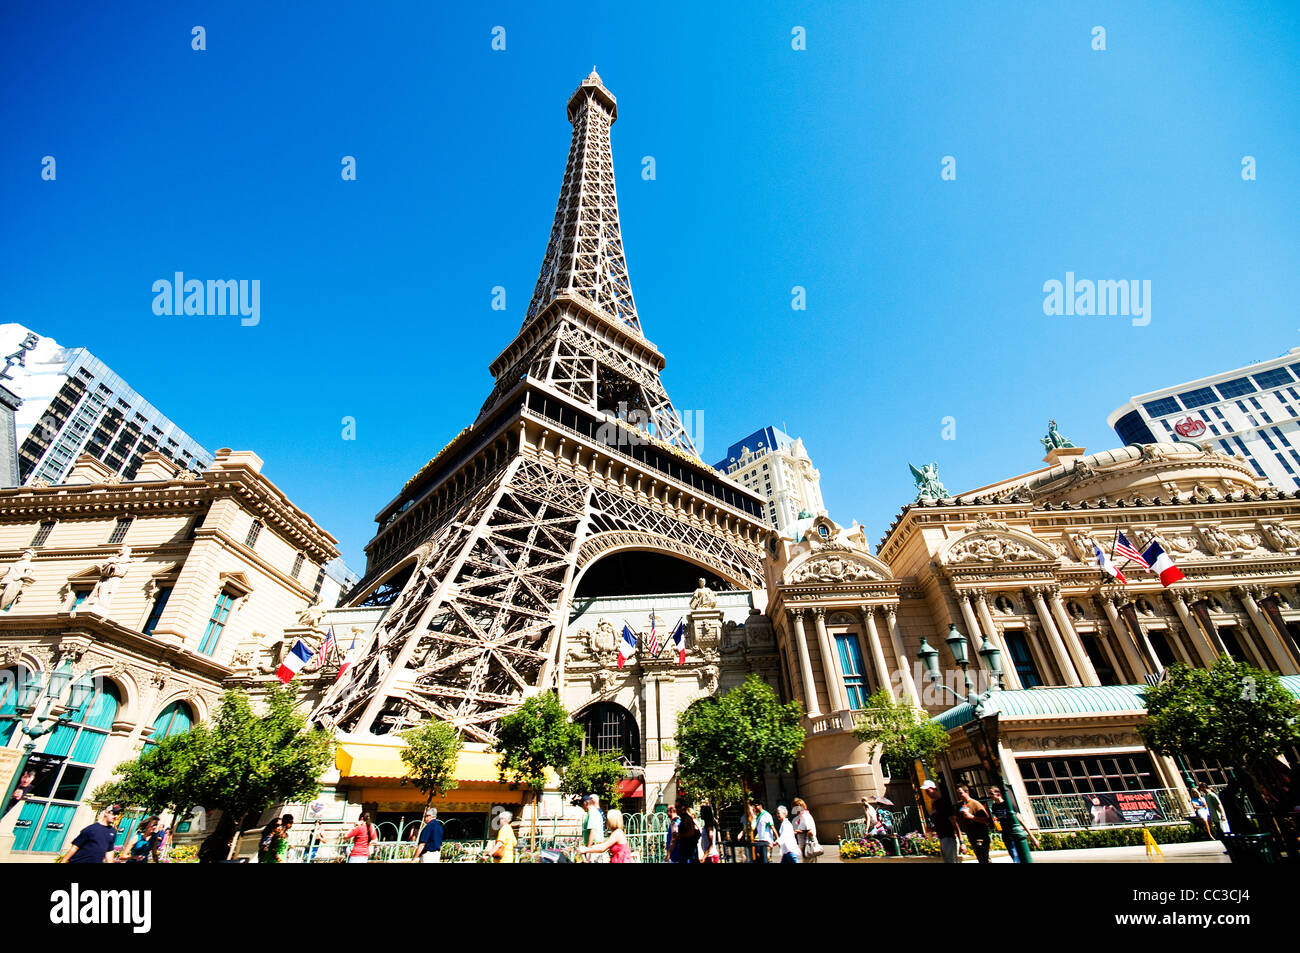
(928, 486)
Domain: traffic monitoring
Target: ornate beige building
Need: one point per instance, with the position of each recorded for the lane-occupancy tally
(1014, 563)
(130, 604)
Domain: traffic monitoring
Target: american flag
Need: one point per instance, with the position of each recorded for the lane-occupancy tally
(654, 636)
(326, 648)
(1124, 548)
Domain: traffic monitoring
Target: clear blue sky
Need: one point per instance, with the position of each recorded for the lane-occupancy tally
(775, 168)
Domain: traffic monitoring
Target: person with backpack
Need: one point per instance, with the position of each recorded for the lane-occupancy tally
(363, 838)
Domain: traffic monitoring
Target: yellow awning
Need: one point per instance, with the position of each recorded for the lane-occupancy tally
(364, 759)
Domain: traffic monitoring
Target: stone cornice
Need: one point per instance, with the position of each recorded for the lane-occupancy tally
(107, 633)
(254, 493)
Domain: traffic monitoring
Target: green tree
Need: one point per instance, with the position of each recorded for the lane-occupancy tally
(726, 743)
(164, 777)
(430, 756)
(595, 773)
(239, 763)
(900, 732)
(1232, 713)
(536, 737)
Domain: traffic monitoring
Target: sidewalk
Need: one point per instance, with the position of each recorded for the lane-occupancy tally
(1201, 852)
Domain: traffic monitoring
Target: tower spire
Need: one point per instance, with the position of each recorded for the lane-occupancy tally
(584, 256)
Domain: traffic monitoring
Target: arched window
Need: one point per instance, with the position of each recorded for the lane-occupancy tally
(176, 719)
(611, 729)
(47, 811)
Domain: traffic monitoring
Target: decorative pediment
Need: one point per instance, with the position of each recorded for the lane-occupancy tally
(237, 583)
(988, 546)
(830, 566)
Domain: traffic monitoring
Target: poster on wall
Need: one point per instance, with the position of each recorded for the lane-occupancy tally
(1122, 807)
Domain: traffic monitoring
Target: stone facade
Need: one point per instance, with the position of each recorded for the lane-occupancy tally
(154, 593)
(1014, 563)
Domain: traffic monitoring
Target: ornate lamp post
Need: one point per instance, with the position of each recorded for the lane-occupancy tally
(929, 657)
(34, 726)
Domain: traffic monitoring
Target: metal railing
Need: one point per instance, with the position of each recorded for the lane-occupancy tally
(904, 820)
(1073, 812)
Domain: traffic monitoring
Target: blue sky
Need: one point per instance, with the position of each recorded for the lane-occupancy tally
(775, 167)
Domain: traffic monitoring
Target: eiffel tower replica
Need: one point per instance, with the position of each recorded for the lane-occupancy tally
(578, 453)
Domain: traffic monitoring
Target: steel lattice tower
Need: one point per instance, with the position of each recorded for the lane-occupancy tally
(576, 454)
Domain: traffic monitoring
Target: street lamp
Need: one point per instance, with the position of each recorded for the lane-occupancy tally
(33, 726)
(956, 642)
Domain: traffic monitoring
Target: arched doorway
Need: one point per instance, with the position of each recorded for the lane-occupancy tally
(609, 728)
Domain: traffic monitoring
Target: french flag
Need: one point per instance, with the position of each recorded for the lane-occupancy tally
(347, 658)
(679, 639)
(1107, 566)
(1162, 565)
(298, 656)
(626, 645)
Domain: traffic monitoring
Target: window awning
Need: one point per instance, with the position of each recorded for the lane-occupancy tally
(631, 787)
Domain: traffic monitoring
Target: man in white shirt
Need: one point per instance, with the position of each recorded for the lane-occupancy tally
(593, 828)
(785, 839)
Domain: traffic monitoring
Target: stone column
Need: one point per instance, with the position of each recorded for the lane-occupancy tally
(1198, 638)
(972, 627)
(805, 664)
(1125, 639)
(1266, 630)
(1082, 663)
(650, 694)
(877, 653)
(904, 664)
(1054, 637)
(1010, 677)
(830, 671)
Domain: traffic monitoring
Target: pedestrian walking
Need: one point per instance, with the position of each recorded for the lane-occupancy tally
(976, 821)
(944, 820)
(764, 834)
(709, 836)
(95, 843)
(785, 839)
(363, 838)
(1202, 808)
(1015, 834)
(615, 844)
(805, 831)
(503, 848)
(670, 838)
(264, 844)
(593, 826)
(688, 834)
(428, 846)
(147, 843)
(1214, 807)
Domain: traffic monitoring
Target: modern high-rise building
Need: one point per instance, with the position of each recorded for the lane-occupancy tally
(1252, 412)
(72, 403)
(776, 466)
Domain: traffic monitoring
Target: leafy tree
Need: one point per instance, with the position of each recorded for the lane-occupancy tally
(595, 773)
(536, 737)
(430, 756)
(240, 763)
(901, 733)
(1233, 713)
(164, 777)
(726, 743)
